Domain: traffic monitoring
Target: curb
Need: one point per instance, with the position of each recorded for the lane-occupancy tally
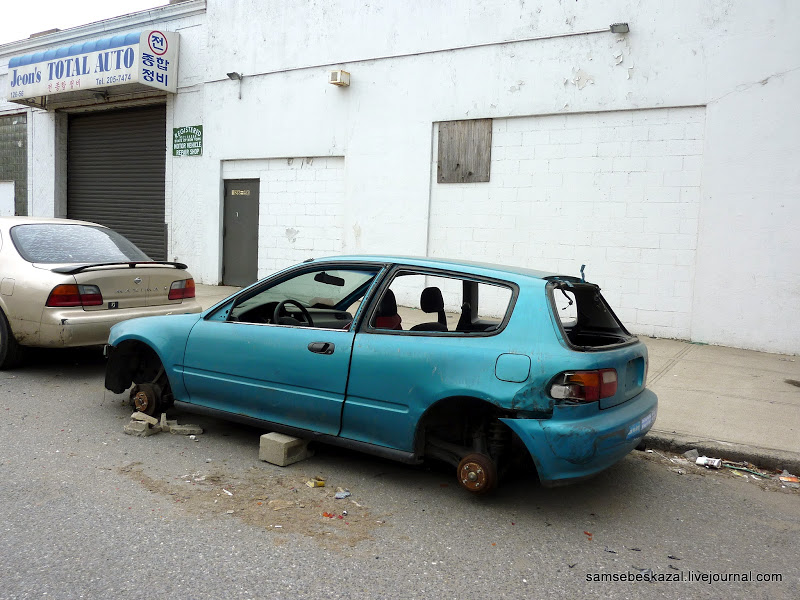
(765, 458)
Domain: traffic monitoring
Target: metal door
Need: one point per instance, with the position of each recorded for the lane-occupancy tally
(270, 372)
(116, 163)
(240, 232)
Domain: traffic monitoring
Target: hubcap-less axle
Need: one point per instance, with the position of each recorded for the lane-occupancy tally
(472, 476)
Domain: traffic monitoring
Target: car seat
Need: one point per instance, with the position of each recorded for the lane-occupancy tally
(386, 316)
(431, 301)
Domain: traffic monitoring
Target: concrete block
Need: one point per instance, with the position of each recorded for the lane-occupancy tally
(167, 425)
(141, 429)
(185, 429)
(134, 425)
(283, 450)
(140, 416)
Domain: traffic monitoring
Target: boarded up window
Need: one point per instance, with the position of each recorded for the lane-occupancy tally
(465, 151)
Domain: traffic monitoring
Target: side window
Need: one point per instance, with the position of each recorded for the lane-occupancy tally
(327, 299)
(425, 302)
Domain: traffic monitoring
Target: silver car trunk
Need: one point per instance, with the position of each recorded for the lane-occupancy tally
(131, 287)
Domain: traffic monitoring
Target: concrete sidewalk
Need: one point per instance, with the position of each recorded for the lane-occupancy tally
(728, 403)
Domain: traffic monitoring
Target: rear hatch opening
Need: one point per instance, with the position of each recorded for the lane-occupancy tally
(584, 317)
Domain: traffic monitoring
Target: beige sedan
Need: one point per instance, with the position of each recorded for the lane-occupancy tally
(64, 283)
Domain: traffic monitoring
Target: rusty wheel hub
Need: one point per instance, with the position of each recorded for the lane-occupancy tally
(473, 476)
(477, 473)
(141, 401)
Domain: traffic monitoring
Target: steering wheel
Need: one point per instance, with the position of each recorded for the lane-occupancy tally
(286, 319)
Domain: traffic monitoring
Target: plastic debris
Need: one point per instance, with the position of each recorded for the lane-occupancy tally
(789, 479)
(341, 494)
(692, 454)
(315, 482)
(227, 492)
(704, 461)
(753, 471)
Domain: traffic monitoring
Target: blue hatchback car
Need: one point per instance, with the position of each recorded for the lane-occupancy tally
(473, 364)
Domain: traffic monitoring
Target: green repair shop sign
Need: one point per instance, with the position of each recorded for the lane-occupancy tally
(187, 141)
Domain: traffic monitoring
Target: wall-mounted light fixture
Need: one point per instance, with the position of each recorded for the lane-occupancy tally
(619, 28)
(234, 76)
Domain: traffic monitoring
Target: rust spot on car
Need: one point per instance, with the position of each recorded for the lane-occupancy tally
(530, 398)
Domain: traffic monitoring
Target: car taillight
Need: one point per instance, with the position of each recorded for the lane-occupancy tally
(75, 295)
(182, 289)
(585, 386)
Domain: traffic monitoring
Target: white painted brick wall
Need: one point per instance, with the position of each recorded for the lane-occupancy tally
(301, 207)
(617, 191)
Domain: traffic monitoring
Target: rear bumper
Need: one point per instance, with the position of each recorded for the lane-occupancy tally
(62, 328)
(580, 441)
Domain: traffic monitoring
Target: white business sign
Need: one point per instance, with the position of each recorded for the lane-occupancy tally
(149, 58)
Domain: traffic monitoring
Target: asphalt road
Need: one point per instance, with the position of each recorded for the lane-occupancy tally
(88, 512)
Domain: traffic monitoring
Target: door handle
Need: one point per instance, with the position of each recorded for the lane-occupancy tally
(322, 347)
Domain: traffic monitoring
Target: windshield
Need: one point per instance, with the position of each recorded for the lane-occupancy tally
(73, 243)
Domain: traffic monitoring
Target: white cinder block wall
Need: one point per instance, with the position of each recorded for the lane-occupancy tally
(301, 203)
(616, 191)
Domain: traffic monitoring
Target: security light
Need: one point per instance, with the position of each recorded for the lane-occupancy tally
(614, 27)
(234, 76)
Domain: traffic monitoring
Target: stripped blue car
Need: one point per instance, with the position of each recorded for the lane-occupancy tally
(477, 365)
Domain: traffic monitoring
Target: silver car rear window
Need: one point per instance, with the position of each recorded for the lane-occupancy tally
(68, 243)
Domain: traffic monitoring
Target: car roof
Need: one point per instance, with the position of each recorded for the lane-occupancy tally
(9, 222)
(487, 269)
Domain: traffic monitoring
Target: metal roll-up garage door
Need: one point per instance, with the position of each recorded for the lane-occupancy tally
(115, 173)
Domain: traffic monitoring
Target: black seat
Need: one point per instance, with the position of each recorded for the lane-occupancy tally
(431, 301)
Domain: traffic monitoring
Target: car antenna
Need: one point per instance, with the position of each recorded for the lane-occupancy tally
(583, 279)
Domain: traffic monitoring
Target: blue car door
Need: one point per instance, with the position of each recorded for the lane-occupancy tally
(291, 375)
(280, 351)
